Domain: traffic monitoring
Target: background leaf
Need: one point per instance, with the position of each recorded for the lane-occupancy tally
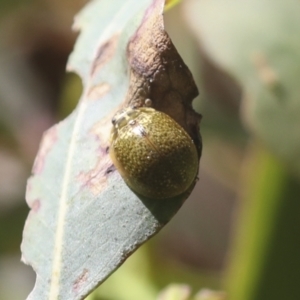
(258, 43)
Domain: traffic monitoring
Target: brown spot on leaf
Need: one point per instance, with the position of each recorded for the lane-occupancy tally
(35, 206)
(96, 178)
(79, 282)
(269, 76)
(48, 140)
(105, 53)
(98, 91)
(266, 73)
(110, 169)
(102, 129)
(158, 72)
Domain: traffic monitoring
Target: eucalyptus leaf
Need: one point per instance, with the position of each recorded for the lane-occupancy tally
(84, 220)
(258, 43)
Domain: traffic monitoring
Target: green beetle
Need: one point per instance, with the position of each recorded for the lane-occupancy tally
(155, 156)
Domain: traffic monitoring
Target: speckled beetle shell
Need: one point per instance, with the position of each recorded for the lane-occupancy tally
(154, 155)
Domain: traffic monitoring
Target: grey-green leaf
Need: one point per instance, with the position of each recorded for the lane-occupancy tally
(84, 220)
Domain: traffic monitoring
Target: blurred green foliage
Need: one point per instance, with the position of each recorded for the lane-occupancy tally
(265, 262)
(9, 4)
(258, 44)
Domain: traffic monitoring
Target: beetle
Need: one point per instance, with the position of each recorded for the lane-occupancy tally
(154, 155)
